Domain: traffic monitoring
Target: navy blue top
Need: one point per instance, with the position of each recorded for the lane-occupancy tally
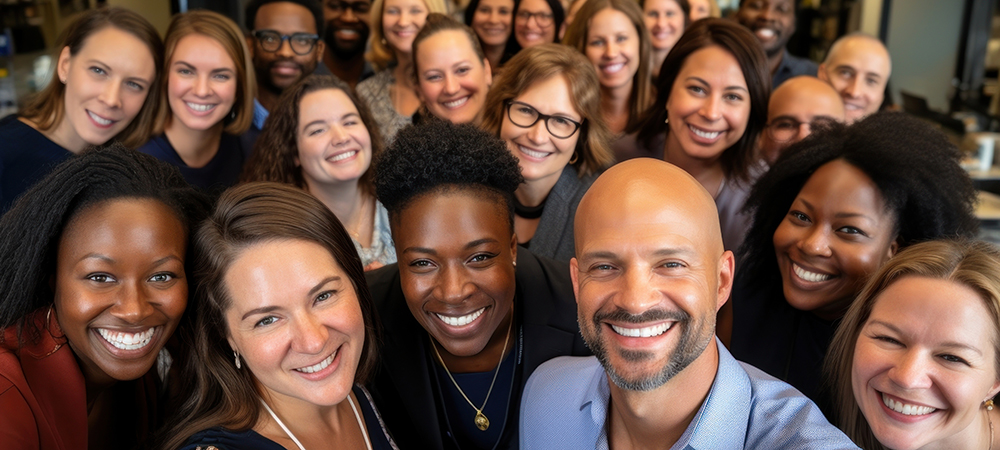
(221, 172)
(792, 66)
(223, 439)
(26, 156)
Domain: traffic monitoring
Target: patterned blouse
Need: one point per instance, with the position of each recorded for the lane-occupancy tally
(375, 91)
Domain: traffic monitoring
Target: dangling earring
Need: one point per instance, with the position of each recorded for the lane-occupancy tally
(232, 115)
(237, 355)
(989, 404)
(573, 159)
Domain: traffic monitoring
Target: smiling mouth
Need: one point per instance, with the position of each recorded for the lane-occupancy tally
(703, 133)
(806, 275)
(906, 409)
(127, 341)
(318, 367)
(199, 107)
(613, 68)
(343, 156)
(645, 332)
(461, 321)
(100, 120)
(456, 103)
(765, 33)
(532, 153)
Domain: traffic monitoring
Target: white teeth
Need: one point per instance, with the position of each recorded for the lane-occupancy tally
(705, 134)
(349, 32)
(532, 153)
(198, 107)
(614, 68)
(810, 276)
(905, 408)
(127, 341)
(343, 156)
(765, 33)
(318, 367)
(461, 320)
(652, 331)
(456, 103)
(100, 120)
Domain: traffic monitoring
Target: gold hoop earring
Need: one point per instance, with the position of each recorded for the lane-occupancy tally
(574, 158)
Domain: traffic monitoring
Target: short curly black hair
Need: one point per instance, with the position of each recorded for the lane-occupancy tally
(914, 166)
(438, 155)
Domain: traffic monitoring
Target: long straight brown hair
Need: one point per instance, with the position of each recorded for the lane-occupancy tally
(47, 108)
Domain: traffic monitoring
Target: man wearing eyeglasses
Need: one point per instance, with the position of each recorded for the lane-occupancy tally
(347, 27)
(284, 41)
(796, 109)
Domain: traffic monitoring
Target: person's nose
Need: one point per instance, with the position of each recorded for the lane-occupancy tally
(310, 334)
(816, 242)
(910, 371)
(638, 294)
(111, 95)
(133, 303)
(710, 109)
(453, 286)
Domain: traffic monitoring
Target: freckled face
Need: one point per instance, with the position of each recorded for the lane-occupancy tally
(456, 265)
(120, 286)
(924, 362)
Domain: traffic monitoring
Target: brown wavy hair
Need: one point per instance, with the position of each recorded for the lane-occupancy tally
(576, 37)
(276, 149)
(380, 54)
(539, 63)
(46, 108)
(219, 394)
(973, 264)
(224, 31)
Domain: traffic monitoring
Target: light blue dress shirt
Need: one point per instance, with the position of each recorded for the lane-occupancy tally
(565, 406)
(259, 115)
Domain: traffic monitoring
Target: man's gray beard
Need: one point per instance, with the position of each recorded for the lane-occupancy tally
(689, 348)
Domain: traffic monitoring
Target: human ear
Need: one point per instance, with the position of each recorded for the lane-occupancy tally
(727, 268)
(62, 67)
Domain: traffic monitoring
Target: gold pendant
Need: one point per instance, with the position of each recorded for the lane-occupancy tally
(481, 421)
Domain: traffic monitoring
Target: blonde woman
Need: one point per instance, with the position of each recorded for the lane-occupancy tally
(206, 100)
(391, 94)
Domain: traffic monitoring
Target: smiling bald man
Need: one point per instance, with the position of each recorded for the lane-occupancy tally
(650, 274)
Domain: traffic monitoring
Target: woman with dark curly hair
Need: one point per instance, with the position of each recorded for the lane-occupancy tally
(829, 213)
(463, 328)
(322, 139)
(284, 330)
(94, 282)
(712, 94)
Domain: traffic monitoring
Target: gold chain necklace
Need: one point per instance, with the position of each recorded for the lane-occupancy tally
(481, 421)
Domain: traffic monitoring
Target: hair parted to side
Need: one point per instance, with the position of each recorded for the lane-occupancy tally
(224, 31)
(539, 63)
(380, 53)
(47, 108)
(314, 7)
(577, 37)
(34, 225)
(276, 149)
(440, 155)
(246, 215)
(685, 8)
(437, 23)
(914, 166)
(973, 264)
(739, 42)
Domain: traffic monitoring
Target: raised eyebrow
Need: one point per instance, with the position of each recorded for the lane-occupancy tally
(323, 283)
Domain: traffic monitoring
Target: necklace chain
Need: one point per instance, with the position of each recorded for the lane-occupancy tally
(481, 421)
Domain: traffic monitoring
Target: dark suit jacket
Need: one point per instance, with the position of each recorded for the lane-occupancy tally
(405, 390)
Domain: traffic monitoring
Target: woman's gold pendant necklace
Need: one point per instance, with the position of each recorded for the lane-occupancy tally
(481, 421)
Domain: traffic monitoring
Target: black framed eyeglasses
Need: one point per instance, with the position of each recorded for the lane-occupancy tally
(526, 116)
(544, 20)
(271, 41)
(785, 129)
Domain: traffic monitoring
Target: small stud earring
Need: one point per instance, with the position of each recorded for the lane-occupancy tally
(989, 404)
(667, 120)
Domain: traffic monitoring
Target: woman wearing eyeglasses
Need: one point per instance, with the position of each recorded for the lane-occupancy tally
(561, 148)
(206, 100)
(538, 22)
